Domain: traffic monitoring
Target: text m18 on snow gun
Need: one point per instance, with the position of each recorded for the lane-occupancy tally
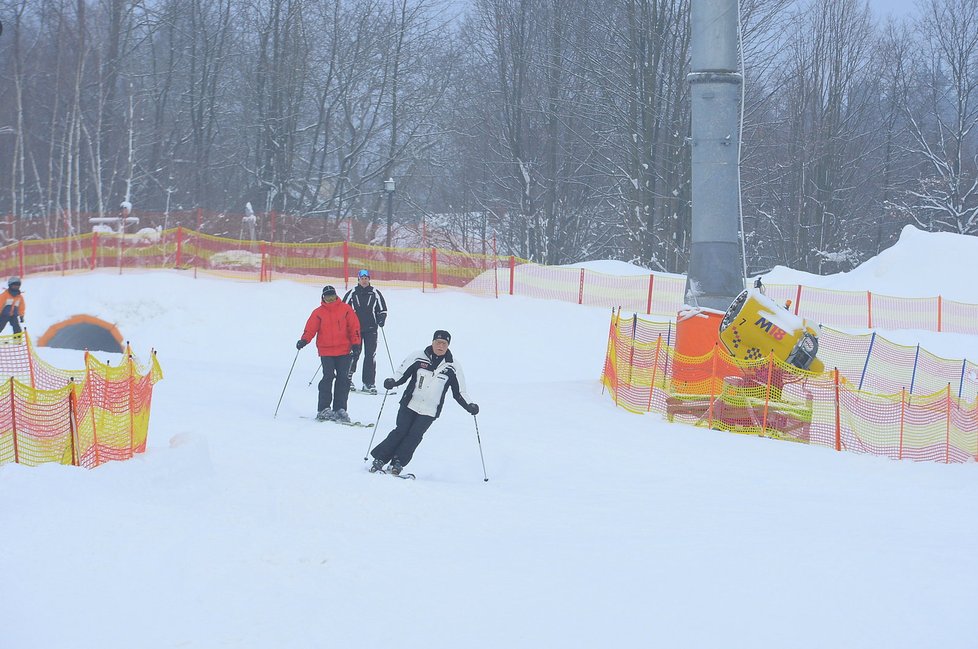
(755, 326)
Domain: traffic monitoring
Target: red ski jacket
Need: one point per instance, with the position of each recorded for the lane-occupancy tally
(335, 326)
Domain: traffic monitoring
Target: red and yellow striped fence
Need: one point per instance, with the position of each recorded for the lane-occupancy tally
(75, 417)
(434, 268)
(769, 398)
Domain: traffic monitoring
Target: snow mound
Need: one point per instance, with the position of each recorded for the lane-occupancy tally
(920, 264)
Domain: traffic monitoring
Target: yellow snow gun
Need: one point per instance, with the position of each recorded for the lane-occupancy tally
(755, 326)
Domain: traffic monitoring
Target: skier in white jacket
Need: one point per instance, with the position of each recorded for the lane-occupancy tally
(430, 374)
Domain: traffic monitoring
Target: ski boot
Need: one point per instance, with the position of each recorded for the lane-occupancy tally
(326, 414)
(370, 389)
(377, 466)
(396, 467)
(341, 416)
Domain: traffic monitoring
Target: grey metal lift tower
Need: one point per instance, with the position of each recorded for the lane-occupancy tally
(716, 266)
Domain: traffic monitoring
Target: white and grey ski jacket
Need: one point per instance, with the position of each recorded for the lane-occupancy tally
(429, 378)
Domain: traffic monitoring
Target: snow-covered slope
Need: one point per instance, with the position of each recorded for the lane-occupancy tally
(597, 528)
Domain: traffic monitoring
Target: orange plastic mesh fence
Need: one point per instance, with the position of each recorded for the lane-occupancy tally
(472, 272)
(767, 397)
(958, 317)
(219, 256)
(430, 268)
(653, 293)
(906, 312)
(874, 364)
(83, 418)
(547, 282)
(840, 308)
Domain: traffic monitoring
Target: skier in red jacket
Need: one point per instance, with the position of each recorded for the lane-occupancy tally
(336, 328)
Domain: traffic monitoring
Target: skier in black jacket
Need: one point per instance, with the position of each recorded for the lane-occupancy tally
(371, 309)
(430, 374)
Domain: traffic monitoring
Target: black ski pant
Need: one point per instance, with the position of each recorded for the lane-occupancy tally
(369, 349)
(334, 388)
(405, 437)
(13, 320)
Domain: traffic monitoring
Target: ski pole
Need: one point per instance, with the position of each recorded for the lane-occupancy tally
(477, 438)
(388, 350)
(376, 423)
(286, 384)
(318, 367)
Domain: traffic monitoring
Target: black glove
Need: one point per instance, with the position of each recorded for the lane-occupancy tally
(22, 319)
(301, 344)
(354, 350)
(389, 384)
(473, 408)
(381, 319)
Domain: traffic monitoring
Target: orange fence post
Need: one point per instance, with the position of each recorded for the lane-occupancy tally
(713, 376)
(346, 264)
(869, 307)
(495, 265)
(607, 352)
(767, 396)
(838, 418)
(940, 311)
(655, 366)
(73, 421)
(797, 299)
(131, 381)
(614, 333)
(947, 427)
(631, 353)
(20, 258)
(13, 422)
(580, 290)
(903, 419)
(434, 268)
(648, 306)
(88, 381)
(92, 262)
(179, 259)
(512, 273)
(30, 359)
(200, 224)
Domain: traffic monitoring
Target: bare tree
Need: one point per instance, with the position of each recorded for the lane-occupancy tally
(943, 121)
(821, 134)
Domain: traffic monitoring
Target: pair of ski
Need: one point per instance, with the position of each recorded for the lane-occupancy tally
(373, 392)
(402, 476)
(353, 424)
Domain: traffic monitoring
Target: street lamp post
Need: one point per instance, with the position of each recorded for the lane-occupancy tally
(389, 188)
